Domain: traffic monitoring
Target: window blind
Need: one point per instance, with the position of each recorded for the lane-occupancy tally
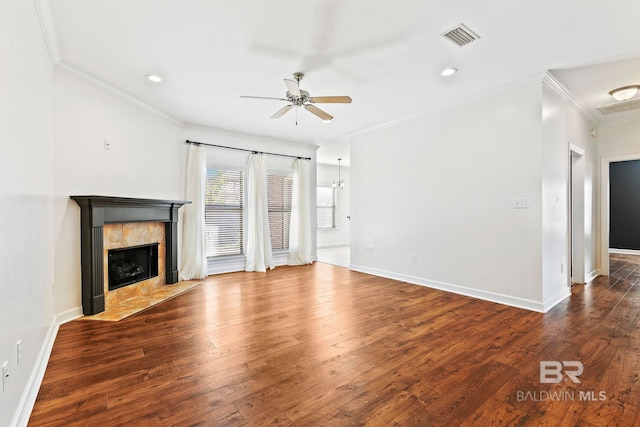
(223, 216)
(280, 187)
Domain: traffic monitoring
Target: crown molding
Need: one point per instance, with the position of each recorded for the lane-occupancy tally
(554, 84)
(62, 66)
(48, 26)
(49, 33)
(458, 102)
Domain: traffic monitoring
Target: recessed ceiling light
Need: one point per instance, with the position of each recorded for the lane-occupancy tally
(624, 93)
(154, 78)
(449, 71)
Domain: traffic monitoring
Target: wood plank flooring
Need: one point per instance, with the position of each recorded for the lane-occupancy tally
(325, 346)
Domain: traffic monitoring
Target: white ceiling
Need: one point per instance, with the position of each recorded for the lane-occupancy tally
(387, 55)
(591, 84)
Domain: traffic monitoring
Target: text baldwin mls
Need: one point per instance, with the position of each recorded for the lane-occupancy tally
(544, 396)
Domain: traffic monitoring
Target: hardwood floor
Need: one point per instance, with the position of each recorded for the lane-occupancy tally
(322, 345)
(335, 255)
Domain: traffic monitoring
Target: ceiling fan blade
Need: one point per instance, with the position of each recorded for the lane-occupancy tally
(330, 99)
(318, 112)
(263, 97)
(281, 112)
(293, 87)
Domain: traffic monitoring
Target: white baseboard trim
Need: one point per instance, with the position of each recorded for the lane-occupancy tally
(28, 399)
(556, 299)
(333, 245)
(591, 275)
(624, 251)
(69, 315)
(461, 290)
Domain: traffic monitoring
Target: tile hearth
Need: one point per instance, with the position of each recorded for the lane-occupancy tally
(128, 307)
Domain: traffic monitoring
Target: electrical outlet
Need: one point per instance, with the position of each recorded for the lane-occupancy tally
(5, 375)
(414, 259)
(19, 352)
(107, 144)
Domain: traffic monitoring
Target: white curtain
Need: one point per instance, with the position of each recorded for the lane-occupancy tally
(194, 258)
(300, 226)
(258, 253)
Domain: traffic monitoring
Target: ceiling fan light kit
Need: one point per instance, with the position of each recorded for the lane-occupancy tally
(301, 98)
(625, 93)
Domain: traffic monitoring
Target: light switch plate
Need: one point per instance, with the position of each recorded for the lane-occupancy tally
(521, 203)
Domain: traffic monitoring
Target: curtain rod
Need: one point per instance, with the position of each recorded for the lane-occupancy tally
(244, 149)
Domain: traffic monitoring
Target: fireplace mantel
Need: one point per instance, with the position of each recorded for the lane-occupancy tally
(95, 211)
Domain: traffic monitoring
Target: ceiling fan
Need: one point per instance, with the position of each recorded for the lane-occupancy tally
(301, 98)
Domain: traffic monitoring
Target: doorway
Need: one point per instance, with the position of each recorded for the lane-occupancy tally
(605, 207)
(333, 203)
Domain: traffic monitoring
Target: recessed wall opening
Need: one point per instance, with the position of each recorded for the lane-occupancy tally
(134, 264)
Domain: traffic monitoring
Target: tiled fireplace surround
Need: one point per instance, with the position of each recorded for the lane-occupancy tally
(116, 222)
(116, 236)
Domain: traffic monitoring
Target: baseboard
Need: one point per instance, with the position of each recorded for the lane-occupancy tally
(333, 245)
(592, 275)
(28, 399)
(556, 299)
(624, 251)
(69, 315)
(461, 290)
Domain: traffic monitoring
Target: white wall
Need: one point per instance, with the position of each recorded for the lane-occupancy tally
(145, 161)
(619, 139)
(236, 158)
(440, 186)
(342, 233)
(563, 125)
(581, 133)
(26, 214)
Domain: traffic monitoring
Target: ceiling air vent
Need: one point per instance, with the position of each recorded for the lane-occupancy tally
(461, 35)
(619, 107)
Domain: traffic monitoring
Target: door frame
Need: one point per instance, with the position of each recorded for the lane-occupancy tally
(605, 214)
(576, 215)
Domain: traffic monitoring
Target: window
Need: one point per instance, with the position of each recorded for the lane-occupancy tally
(223, 212)
(326, 207)
(279, 198)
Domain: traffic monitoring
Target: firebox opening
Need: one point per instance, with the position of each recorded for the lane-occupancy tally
(131, 265)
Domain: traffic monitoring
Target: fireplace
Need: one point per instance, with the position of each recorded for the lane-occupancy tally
(127, 266)
(102, 212)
